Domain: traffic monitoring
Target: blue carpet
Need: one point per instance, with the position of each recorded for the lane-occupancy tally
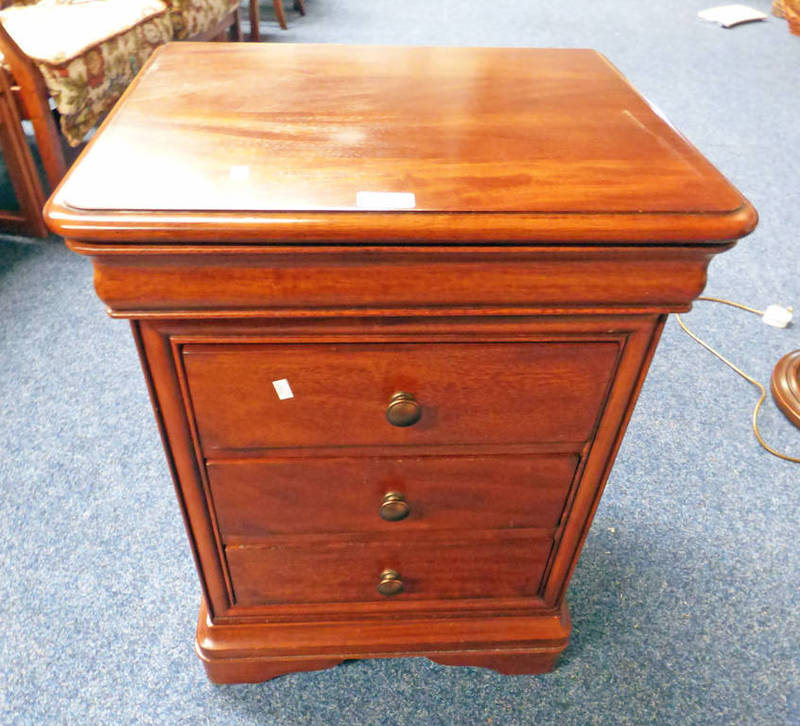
(685, 604)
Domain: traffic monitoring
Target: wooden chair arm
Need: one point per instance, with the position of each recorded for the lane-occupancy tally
(35, 106)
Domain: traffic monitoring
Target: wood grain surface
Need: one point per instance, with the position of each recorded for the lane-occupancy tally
(494, 392)
(557, 219)
(558, 135)
(258, 499)
(346, 568)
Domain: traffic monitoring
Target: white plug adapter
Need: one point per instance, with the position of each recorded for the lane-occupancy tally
(777, 316)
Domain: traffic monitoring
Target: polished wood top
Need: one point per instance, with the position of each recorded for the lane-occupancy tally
(261, 142)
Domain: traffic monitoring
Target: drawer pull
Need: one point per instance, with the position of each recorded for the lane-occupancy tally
(394, 507)
(403, 410)
(390, 583)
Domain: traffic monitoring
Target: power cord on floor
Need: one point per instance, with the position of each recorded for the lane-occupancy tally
(774, 315)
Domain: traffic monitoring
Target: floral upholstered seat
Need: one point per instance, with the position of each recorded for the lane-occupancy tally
(88, 51)
(195, 17)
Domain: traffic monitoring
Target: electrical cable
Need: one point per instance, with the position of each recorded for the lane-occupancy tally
(744, 375)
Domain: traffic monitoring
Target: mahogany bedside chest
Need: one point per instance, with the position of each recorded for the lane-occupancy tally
(394, 307)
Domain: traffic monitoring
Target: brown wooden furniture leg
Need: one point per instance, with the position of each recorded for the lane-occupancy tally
(21, 167)
(279, 14)
(36, 107)
(300, 6)
(254, 21)
(48, 139)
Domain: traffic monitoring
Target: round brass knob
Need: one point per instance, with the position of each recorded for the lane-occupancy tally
(403, 410)
(394, 507)
(390, 583)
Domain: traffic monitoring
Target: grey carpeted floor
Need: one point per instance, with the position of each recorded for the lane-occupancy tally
(686, 602)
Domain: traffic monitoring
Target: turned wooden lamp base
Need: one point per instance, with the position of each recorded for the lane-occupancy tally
(785, 386)
(256, 652)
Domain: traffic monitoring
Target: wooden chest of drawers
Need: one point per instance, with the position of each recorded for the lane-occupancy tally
(394, 307)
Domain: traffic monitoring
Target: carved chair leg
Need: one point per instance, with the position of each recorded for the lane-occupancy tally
(34, 101)
(279, 14)
(19, 162)
(254, 20)
(48, 139)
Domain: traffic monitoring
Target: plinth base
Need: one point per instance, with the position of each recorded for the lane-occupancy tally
(255, 652)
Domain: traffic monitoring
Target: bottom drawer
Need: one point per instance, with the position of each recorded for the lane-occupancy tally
(443, 565)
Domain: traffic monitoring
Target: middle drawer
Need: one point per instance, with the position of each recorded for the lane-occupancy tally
(257, 499)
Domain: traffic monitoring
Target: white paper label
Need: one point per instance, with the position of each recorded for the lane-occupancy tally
(283, 389)
(386, 200)
(729, 15)
(240, 173)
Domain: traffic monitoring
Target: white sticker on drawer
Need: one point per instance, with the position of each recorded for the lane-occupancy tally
(283, 389)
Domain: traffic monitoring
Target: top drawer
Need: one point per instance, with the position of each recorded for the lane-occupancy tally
(464, 393)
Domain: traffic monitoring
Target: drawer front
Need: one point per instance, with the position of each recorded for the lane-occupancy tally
(467, 392)
(348, 569)
(257, 499)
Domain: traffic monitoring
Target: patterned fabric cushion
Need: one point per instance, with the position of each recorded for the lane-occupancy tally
(88, 51)
(57, 31)
(87, 60)
(192, 17)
